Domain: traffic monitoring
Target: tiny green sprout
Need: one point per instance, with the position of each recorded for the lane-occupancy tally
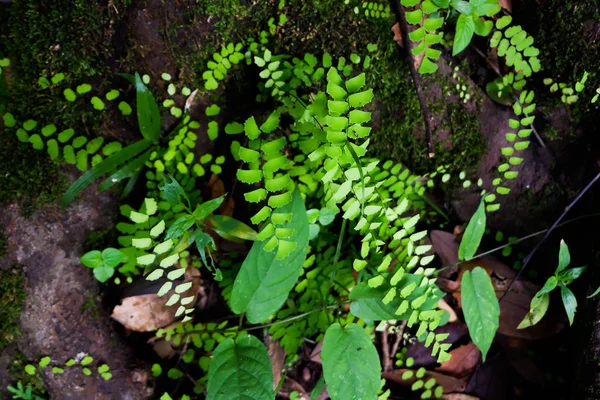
(58, 78)
(86, 371)
(44, 362)
(97, 103)
(30, 369)
(562, 278)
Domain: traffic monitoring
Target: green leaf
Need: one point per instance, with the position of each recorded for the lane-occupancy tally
(180, 226)
(30, 369)
(483, 28)
(463, 7)
(569, 301)
(564, 257)
(226, 227)
(112, 257)
(537, 310)
(264, 282)
(127, 171)
(351, 366)
(240, 370)
(103, 273)
(480, 307)
(172, 191)
(147, 111)
(102, 168)
(92, 259)
(465, 27)
(569, 275)
(549, 286)
(473, 233)
(207, 208)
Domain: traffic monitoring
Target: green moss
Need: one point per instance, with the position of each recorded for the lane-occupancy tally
(3, 244)
(45, 37)
(12, 296)
(466, 144)
(29, 176)
(17, 373)
(565, 31)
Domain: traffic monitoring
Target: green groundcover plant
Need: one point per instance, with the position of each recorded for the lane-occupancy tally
(336, 236)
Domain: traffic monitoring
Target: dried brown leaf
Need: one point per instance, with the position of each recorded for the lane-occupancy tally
(463, 361)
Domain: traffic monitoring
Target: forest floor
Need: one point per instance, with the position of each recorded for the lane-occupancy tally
(51, 305)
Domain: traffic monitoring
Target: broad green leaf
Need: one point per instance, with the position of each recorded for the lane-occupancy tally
(104, 167)
(180, 226)
(264, 282)
(570, 302)
(351, 366)
(112, 257)
(205, 209)
(103, 273)
(564, 257)
(240, 370)
(537, 310)
(92, 259)
(480, 307)
(226, 227)
(462, 6)
(483, 28)
(147, 111)
(465, 27)
(473, 233)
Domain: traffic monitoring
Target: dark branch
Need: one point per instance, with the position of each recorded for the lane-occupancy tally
(401, 18)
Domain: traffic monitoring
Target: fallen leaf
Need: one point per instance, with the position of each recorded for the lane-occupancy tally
(144, 313)
(277, 357)
(148, 312)
(463, 361)
(458, 396)
(291, 385)
(315, 354)
(449, 383)
(422, 355)
(506, 4)
(443, 305)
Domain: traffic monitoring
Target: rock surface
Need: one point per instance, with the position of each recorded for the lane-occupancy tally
(56, 320)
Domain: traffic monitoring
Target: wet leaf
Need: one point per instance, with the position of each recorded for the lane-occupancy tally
(351, 364)
(537, 310)
(240, 370)
(473, 234)
(480, 307)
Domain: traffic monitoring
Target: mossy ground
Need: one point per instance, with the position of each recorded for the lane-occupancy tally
(28, 176)
(567, 34)
(332, 26)
(43, 38)
(12, 296)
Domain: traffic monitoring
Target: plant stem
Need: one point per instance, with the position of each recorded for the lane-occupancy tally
(338, 250)
(401, 18)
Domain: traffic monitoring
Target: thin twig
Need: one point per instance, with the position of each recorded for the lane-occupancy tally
(548, 232)
(401, 18)
(497, 71)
